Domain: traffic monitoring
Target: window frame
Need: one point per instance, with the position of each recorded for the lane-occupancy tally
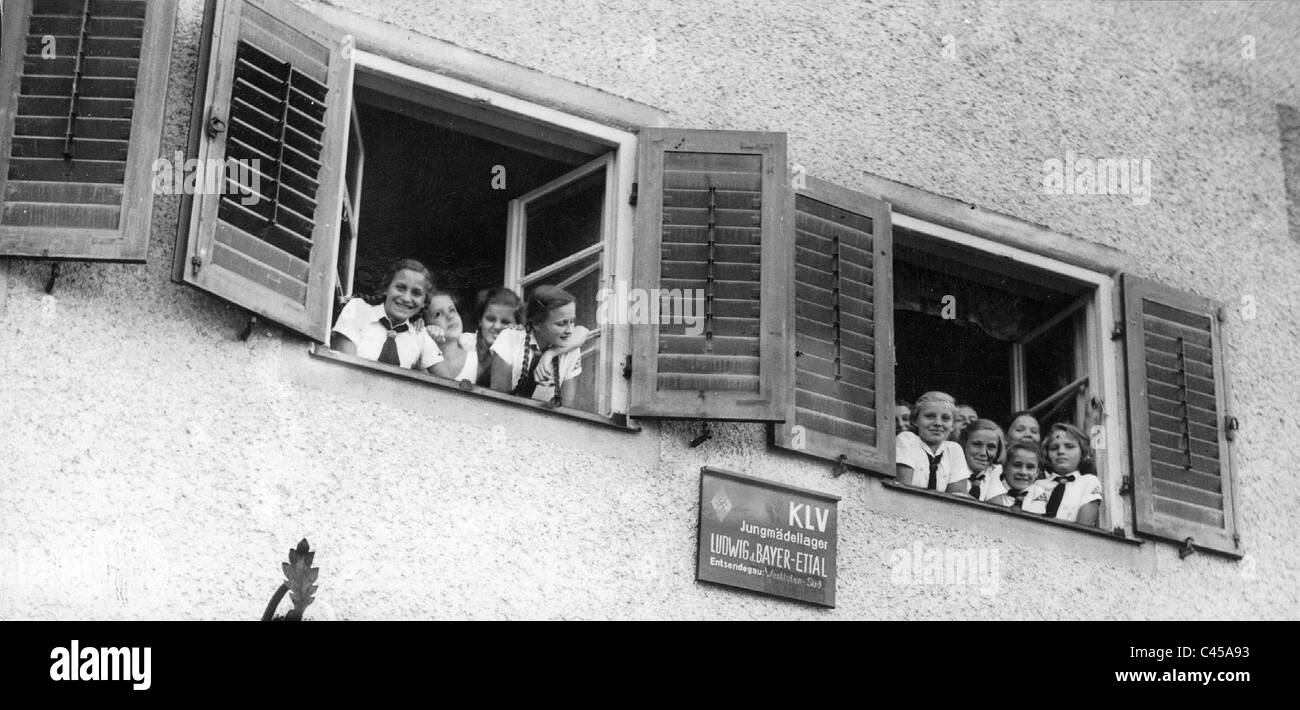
(616, 252)
(1102, 363)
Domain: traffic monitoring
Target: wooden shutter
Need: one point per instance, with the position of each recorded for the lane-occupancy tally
(84, 83)
(1183, 484)
(843, 388)
(279, 95)
(712, 220)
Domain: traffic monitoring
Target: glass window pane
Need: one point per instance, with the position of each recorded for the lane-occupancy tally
(564, 221)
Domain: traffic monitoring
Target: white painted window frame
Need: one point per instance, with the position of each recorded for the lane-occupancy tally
(1101, 360)
(617, 251)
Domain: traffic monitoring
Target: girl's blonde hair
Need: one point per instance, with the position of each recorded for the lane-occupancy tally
(926, 399)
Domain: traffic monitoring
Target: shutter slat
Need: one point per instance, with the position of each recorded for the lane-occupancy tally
(824, 332)
(1208, 434)
(731, 327)
(65, 192)
(821, 231)
(100, 67)
(703, 364)
(712, 381)
(84, 148)
(86, 108)
(1175, 409)
(736, 253)
(44, 169)
(724, 199)
(856, 289)
(304, 54)
(820, 313)
(1156, 309)
(730, 290)
(1174, 378)
(90, 87)
(97, 128)
(1169, 346)
(98, 8)
(722, 217)
(699, 272)
(240, 217)
(692, 345)
(94, 46)
(1175, 393)
(692, 234)
(821, 293)
(1176, 456)
(39, 214)
(101, 26)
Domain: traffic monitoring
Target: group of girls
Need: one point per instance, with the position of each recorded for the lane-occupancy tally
(532, 351)
(1054, 476)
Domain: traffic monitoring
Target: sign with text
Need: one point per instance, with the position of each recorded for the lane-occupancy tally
(767, 537)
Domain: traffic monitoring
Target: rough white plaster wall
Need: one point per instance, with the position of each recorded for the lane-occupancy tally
(153, 466)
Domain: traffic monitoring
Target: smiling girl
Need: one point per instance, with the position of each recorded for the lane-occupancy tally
(1019, 475)
(1073, 492)
(926, 459)
(982, 443)
(443, 324)
(543, 361)
(383, 332)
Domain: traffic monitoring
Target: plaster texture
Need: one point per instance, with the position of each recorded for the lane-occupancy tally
(154, 466)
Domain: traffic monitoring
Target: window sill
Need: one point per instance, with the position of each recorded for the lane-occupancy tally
(968, 501)
(617, 422)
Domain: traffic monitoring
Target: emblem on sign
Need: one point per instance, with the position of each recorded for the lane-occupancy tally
(721, 504)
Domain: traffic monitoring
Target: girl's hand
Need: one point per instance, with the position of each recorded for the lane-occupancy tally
(438, 334)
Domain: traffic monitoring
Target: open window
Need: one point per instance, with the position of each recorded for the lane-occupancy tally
(84, 83)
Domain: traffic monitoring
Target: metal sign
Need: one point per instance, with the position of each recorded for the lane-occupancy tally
(766, 537)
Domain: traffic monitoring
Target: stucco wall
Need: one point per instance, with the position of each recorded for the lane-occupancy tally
(153, 466)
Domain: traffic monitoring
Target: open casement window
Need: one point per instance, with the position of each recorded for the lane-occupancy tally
(556, 234)
(1182, 473)
(1054, 352)
(351, 212)
(843, 303)
(714, 241)
(265, 235)
(84, 83)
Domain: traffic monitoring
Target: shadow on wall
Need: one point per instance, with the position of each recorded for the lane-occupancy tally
(1288, 128)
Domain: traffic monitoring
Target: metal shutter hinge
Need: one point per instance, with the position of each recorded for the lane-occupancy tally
(1236, 540)
(1126, 486)
(54, 276)
(704, 436)
(196, 262)
(248, 329)
(1117, 332)
(631, 199)
(627, 368)
(1186, 550)
(1230, 426)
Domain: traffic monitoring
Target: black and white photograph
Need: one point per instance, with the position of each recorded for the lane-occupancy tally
(654, 310)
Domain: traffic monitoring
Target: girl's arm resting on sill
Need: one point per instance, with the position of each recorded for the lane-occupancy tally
(441, 370)
(567, 392)
(343, 344)
(500, 374)
(904, 475)
(962, 486)
(1089, 513)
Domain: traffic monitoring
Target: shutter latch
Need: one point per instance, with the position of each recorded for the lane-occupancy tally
(54, 276)
(627, 368)
(1230, 426)
(1186, 550)
(216, 126)
(1117, 332)
(631, 199)
(248, 329)
(1126, 486)
(196, 262)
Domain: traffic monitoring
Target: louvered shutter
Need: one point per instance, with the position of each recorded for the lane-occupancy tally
(84, 83)
(279, 93)
(712, 221)
(843, 329)
(1183, 485)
